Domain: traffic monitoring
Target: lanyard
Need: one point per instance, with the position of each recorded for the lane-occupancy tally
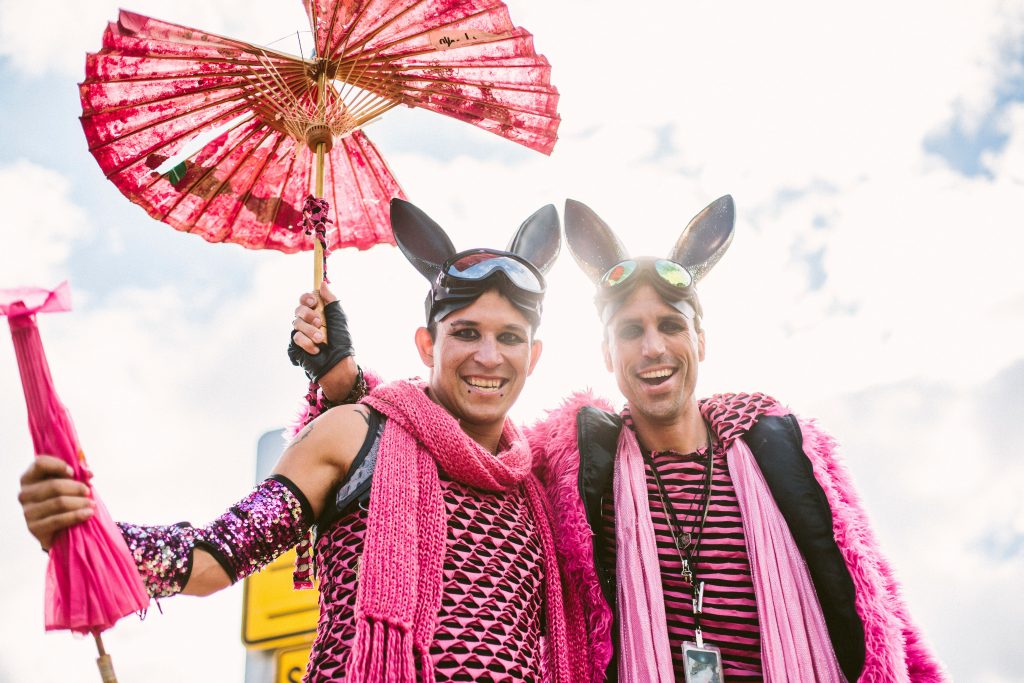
(686, 546)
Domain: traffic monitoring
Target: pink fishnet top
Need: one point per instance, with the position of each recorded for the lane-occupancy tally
(489, 624)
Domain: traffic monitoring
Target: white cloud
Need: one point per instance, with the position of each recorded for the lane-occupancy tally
(39, 40)
(41, 224)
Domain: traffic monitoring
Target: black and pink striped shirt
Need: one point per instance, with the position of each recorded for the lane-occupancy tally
(729, 620)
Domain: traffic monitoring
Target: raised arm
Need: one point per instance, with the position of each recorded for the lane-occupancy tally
(251, 533)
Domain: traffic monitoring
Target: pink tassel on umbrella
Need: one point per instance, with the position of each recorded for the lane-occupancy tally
(91, 579)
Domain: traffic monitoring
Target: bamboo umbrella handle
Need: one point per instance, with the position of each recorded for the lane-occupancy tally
(104, 662)
(318, 250)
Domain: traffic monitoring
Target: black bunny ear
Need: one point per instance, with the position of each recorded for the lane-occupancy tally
(591, 242)
(538, 239)
(706, 237)
(422, 240)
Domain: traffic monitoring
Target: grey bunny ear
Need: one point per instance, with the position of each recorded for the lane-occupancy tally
(591, 242)
(539, 238)
(706, 237)
(421, 240)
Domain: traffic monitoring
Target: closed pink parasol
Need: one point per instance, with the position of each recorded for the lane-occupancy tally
(91, 579)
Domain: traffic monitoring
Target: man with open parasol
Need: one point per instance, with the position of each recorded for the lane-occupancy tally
(711, 539)
(444, 569)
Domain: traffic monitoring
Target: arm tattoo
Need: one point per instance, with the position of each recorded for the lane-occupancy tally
(303, 434)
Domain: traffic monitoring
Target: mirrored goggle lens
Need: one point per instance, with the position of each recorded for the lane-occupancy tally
(618, 273)
(673, 273)
(482, 266)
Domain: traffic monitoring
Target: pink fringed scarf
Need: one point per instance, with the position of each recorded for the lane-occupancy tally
(400, 580)
(795, 644)
(644, 650)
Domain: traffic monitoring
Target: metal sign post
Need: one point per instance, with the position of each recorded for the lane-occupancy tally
(278, 623)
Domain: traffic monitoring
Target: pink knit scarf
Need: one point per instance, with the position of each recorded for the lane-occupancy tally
(401, 571)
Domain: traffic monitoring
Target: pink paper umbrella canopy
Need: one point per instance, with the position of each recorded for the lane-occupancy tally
(213, 135)
(91, 579)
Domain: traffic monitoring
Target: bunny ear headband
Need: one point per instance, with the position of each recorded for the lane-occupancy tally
(458, 278)
(604, 259)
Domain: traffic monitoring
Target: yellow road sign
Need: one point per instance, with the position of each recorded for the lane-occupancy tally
(291, 665)
(274, 614)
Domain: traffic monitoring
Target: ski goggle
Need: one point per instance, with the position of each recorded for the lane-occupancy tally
(466, 275)
(627, 271)
(473, 267)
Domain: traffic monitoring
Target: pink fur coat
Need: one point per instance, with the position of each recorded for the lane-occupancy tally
(895, 649)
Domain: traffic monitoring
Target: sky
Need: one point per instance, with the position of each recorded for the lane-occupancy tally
(875, 152)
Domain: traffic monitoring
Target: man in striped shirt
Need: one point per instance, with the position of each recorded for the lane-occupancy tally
(705, 528)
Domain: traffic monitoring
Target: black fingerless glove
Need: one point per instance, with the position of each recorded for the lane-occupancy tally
(337, 347)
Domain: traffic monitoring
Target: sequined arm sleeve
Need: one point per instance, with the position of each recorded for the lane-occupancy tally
(254, 531)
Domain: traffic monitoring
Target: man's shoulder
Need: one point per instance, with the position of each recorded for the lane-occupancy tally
(560, 423)
(554, 438)
(734, 415)
(343, 430)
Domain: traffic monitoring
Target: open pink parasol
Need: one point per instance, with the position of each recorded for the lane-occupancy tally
(91, 579)
(226, 139)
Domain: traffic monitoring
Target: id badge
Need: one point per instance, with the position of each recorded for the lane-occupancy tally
(702, 664)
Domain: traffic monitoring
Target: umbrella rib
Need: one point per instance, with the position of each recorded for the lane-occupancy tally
(313, 17)
(238, 70)
(171, 97)
(354, 21)
(405, 78)
(453, 96)
(184, 192)
(154, 55)
(406, 38)
(273, 84)
(255, 179)
(161, 121)
(220, 42)
(386, 63)
(225, 230)
(330, 159)
(374, 167)
(152, 148)
(329, 35)
(355, 179)
(377, 31)
(280, 197)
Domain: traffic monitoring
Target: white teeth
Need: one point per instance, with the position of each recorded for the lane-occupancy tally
(483, 383)
(655, 374)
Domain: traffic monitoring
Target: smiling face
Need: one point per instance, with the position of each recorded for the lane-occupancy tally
(479, 358)
(654, 351)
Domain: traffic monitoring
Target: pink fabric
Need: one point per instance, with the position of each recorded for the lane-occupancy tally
(795, 644)
(896, 649)
(21, 301)
(401, 573)
(557, 463)
(91, 579)
(644, 650)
